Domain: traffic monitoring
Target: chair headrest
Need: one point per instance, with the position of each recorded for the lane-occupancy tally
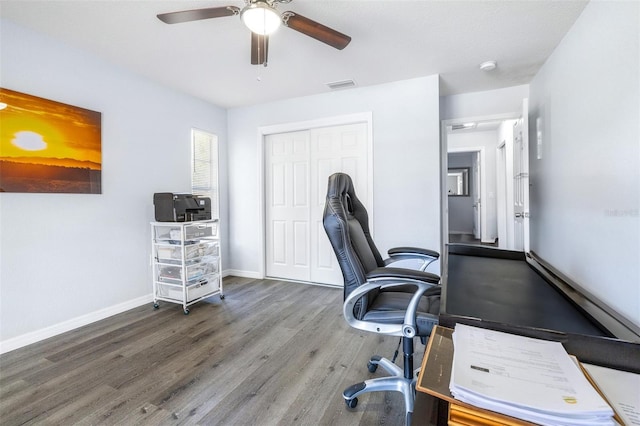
(341, 188)
(339, 184)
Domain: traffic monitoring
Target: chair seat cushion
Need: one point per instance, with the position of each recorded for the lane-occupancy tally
(389, 308)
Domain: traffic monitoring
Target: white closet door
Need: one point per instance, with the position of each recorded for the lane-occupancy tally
(287, 206)
(297, 168)
(334, 149)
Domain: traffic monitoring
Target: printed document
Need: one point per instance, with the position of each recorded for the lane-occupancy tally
(532, 379)
(621, 388)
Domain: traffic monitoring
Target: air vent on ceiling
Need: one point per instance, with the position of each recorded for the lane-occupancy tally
(343, 84)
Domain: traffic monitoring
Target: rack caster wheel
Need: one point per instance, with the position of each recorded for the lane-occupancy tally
(186, 312)
(372, 367)
(351, 403)
(156, 306)
(222, 297)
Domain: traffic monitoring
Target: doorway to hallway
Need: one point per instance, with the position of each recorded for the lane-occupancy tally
(502, 178)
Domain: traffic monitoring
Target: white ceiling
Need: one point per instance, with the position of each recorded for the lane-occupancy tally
(391, 40)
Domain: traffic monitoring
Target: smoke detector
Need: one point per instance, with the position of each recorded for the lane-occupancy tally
(488, 65)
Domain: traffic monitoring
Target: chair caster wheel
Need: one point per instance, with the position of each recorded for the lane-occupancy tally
(351, 403)
(186, 312)
(372, 367)
(156, 306)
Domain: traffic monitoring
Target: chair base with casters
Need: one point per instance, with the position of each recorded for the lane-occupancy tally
(396, 313)
(399, 380)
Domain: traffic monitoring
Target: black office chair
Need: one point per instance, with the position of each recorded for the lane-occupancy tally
(377, 296)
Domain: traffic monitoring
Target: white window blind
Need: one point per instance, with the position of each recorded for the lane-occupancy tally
(204, 167)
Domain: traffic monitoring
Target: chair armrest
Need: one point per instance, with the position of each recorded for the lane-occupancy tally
(408, 329)
(423, 257)
(413, 252)
(390, 273)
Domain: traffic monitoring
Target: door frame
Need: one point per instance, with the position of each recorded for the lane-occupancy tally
(502, 195)
(339, 120)
(527, 199)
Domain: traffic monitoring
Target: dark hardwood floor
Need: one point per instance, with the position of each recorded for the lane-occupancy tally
(469, 239)
(270, 353)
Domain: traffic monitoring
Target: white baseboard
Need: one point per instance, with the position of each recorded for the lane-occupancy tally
(242, 274)
(38, 335)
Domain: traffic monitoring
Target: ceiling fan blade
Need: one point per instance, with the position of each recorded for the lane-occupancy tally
(197, 14)
(315, 30)
(259, 49)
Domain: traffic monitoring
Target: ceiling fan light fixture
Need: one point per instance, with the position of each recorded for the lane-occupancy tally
(260, 17)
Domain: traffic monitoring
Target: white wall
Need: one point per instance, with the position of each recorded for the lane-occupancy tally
(585, 193)
(478, 104)
(69, 258)
(406, 167)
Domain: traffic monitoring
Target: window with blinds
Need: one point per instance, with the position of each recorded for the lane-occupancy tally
(204, 167)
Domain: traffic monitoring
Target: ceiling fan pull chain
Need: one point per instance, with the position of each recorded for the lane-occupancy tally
(265, 49)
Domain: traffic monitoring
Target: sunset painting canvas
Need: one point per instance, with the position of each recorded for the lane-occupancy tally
(48, 146)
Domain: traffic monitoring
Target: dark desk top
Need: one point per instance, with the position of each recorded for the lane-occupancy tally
(498, 289)
(509, 291)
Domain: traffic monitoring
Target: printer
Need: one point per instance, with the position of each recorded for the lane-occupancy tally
(170, 207)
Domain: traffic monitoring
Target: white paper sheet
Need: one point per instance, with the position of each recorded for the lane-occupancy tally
(621, 388)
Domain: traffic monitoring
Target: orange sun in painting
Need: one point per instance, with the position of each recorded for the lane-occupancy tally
(39, 131)
(29, 141)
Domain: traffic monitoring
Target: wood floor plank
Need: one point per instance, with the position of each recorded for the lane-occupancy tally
(277, 381)
(249, 351)
(327, 381)
(271, 353)
(73, 410)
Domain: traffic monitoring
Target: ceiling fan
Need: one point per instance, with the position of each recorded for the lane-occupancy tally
(262, 18)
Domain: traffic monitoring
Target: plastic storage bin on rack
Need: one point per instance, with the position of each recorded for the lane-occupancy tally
(186, 262)
(173, 254)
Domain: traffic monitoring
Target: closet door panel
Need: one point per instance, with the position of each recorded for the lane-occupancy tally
(287, 206)
(334, 149)
(297, 168)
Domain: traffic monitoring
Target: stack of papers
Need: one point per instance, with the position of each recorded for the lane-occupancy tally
(530, 379)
